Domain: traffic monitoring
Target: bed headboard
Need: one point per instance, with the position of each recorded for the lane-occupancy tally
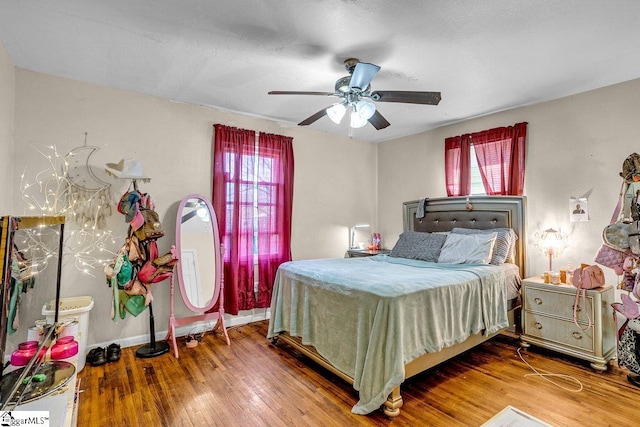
(481, 212)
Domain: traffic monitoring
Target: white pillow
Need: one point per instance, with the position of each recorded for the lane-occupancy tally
(468, 249)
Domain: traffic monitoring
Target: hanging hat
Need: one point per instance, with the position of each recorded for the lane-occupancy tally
(126, 168)
(129, 206)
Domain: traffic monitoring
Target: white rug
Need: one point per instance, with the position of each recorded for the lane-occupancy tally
(513, 417)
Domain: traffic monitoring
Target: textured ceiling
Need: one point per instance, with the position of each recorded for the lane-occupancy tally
(484, 56)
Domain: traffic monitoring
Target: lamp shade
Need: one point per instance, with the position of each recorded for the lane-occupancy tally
(336, 112)
(365, 109)
(356, 120)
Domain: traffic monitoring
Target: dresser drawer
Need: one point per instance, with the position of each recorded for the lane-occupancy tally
(557, 303)
(560, 331)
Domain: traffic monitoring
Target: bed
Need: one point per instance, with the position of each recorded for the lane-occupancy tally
(376, 321)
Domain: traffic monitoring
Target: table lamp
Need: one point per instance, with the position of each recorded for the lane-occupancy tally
(552, 242)
(352, 244)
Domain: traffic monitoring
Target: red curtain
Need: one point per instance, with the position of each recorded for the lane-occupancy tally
(252, 197)
(275, 197)
(233, 194)
(457, 160)
(501, 153)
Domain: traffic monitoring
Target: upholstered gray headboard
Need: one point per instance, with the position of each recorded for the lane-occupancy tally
(481, 212)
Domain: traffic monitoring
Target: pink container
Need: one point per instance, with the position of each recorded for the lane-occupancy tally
(25, 352)
(64, 348)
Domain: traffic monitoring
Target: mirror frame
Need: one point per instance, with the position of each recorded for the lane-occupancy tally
(217, 254)
(11, 225)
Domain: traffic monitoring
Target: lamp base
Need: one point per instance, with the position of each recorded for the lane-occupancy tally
(146, 351)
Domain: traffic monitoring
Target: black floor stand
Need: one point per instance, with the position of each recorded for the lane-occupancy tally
(154, 348)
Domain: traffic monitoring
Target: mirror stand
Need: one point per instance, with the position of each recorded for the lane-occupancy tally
(205, 317)
(199, 270)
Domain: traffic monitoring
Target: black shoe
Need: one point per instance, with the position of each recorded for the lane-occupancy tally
(96, 357)
(113, 352)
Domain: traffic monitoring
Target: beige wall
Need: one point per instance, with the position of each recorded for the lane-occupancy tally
(334, 176)
(7, 104)
(575, 147)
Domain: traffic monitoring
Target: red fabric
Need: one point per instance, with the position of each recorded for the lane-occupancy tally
(233, 158)
(457, 160)
(275, 199)
(234, 170)
(501, 153)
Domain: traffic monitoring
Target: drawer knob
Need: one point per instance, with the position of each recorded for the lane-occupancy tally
(538, 300)
(577, 335)
(538, 325)
(576, 308)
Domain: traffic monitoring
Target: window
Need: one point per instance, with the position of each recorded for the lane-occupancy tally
(256, 184)
(252, 194)
(477, 187)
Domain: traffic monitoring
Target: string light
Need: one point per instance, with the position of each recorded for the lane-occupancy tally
(52, 192)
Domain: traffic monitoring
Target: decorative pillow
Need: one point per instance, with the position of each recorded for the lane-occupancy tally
(416, 245)
(467, 249)
(504, 249)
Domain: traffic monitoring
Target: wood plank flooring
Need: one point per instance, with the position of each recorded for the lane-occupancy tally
(253, 383)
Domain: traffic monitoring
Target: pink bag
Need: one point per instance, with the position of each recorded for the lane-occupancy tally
(611, 258)
(585, 277)
(588, 277)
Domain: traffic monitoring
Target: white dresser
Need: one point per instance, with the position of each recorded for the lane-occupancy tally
(547, 321)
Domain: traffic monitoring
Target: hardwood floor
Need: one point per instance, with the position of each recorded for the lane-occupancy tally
(253, 383)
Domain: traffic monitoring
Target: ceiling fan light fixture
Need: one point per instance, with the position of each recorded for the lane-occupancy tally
(357, 121)
(336, 112)
(365, 109)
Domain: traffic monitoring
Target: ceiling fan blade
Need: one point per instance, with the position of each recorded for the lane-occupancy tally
(362, 75)
(291, 92)
(320, 114)
(409, 97)
(378, 121)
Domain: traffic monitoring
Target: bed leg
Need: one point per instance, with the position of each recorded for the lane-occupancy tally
(393, 403)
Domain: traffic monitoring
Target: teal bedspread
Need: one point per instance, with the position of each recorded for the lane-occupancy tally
(371, 316)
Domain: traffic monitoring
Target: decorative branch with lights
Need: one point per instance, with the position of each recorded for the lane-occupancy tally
(53, 191)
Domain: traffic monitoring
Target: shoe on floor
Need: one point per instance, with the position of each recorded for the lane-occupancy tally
(113, 352)
(96, 357)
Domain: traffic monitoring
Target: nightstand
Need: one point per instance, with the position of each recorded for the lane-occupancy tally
(353, 253)
(547, 321)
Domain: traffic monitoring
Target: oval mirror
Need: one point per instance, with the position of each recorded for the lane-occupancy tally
(198, 247)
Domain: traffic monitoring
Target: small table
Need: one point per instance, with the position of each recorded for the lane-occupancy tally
(354, 253)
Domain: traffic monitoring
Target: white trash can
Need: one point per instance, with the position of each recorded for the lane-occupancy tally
(69, 310)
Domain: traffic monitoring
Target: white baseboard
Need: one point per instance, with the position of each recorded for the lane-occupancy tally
(242, 318)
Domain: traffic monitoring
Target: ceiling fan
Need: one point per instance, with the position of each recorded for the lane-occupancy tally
(356, 94)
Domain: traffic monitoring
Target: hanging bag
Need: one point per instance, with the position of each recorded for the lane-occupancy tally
(611, 258)
(634, 229)
(158, 269)
(627, 336)
(616, 234)
(152, 228)
(631, 168)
